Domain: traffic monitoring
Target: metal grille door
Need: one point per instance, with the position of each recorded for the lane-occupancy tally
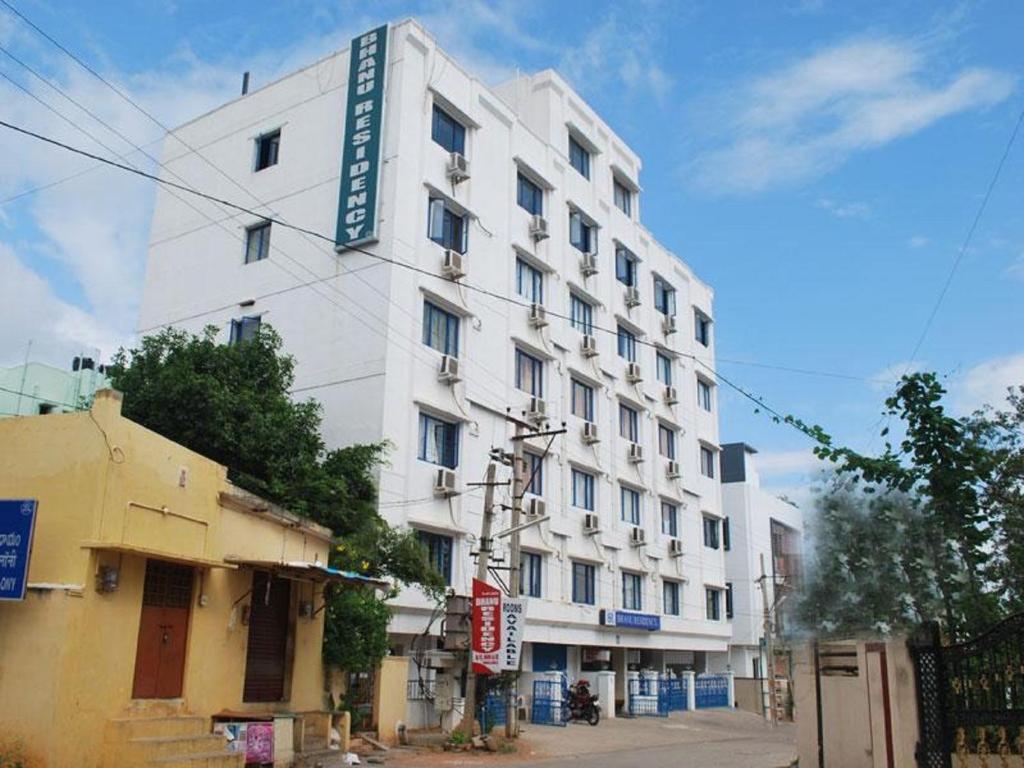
(268, 638)
(711, 691)
(548, 708)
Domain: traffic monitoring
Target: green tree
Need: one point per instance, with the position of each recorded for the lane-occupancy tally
(231, 403)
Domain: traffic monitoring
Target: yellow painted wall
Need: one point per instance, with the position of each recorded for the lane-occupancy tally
(389, 697)
(67, 653)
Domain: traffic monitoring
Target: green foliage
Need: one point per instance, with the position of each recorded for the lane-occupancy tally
(231, 403)
(459, 737)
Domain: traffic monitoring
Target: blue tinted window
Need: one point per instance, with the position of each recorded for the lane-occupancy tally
(448, 132)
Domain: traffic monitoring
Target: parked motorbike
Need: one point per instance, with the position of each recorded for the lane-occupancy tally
(583, 704)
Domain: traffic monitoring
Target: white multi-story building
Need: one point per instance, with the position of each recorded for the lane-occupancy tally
(566, 302)
(761, 528)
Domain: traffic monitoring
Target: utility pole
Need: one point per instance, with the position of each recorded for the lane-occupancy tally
(483, 560)
(769, 642)
(515, 555)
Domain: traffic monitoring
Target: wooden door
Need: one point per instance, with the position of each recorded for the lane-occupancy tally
(269, 617)
(163, 631)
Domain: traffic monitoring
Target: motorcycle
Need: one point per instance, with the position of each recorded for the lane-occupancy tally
(583, 704)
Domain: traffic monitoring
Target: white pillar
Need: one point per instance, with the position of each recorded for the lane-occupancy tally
(606, 693)
(731, 676)
(691, 689)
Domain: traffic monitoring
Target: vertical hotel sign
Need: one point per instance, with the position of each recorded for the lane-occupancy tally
(361, 154)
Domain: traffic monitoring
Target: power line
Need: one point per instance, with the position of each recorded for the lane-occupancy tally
(40, 398)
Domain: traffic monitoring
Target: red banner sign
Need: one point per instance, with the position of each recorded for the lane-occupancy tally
(486, 628)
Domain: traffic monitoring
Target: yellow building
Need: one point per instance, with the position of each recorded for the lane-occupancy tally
(162, 600)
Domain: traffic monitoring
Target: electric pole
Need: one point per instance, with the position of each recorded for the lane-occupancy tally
(769, 642)
(515, 555)
(483, 560)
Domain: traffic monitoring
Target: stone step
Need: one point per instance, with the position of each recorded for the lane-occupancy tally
(216, 759)
(123, 729)
(147, 747)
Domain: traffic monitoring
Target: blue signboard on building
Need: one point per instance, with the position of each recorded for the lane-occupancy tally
(17, 522)
(628, 620)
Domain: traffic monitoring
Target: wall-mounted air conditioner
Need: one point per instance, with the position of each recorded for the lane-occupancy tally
(458, 168)
(636, 453)
(675, 547)
(537, 508)
(588, 264)
(632, 297)
(671, 396)
(444, 483)
(591, 523)
(538, 228)
(452, 265)
(633, 375)
(637, 536)
(668, 325)
(590, 433)
(538, 316)
(672, 471)
(588, 346)
(537, 410)
(449, 370)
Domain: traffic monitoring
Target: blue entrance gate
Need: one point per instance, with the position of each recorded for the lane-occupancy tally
(548, 706)
(648, 697)
(711, 691)
(494, 711)
(677, 694)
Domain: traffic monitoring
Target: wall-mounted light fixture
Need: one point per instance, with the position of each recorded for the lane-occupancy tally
(306, 609)
(108, 578)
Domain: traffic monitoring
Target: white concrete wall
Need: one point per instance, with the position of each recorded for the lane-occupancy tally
(361, 326)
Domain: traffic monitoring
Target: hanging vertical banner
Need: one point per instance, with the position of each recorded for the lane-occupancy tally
(486, 628)
(361, 152)
(513, 621)
(17, 523)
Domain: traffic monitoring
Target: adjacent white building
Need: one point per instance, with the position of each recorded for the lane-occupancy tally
(518, 277)
(760, 525)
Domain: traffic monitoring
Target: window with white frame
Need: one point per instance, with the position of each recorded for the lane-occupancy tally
(671, 602)
(582, 490)
(529, 282)
(582, 400)
(579, 157)
(529, 195)
(667, 441)
(629, 501)
(670, 519)
(244, 329)
(629, 423)
(701, 328)
(703, 394)
(584, 583)
(623, 197)
(713, 599)
(632, 591)
(664, 297)
(625, 266)
(529, 373)
(581, 315)
(534, 473)
(439, 552)
(440, 329)
(627, 344)
(268, 147)
(446, 226)
(439, 441)
(582, 233)
(711, 539)
(663, 366)
(257, 242)
(707, 461)
(530, 564)
(447, 131)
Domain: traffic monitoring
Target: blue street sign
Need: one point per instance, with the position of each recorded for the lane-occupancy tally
(17, 522)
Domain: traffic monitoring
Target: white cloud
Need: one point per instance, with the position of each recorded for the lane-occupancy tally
(986, 383)
(847, 210)
(807, 118)
(918, 241)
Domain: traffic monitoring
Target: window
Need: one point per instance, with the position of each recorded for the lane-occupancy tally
(267, 148)
(670, 519)
(664, 297)
(440, 329)
(439, 552)
(702, 328)
(627, 344)
(448, 132)
(728, 599)
(583, 490)
(582, 400)
(45, 408)
(664, 369)
(534, 473)
(529, 373)
(582, 234)
(707, 462)
(630, 502)
(703, 394)
(579, 158)
(629, 423)
(529, 282)
(439, 441)
(667, 442)
(670, 598)
(583, 584)
(632, 591)
(529, 574)
(726, 536)
(244, 329)
(710, 533)
(623, 197)
(446, 227)
(625, 267)
(581, 315)
(257, 242)
(529, 196)
(713, 600)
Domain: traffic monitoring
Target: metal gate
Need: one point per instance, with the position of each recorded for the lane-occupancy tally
(711, 691)
(494, 711)
(548, 706)
(970, 696)
(648, 697)
(677, 694)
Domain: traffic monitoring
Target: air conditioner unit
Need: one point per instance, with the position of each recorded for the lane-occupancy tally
(537, 508)
(633, 375)
(539, 228)
(632, 297)
(458, 167)
(668, 325)
(538, 316)
(671, 396)
(444, 483)
(637, 536)
(672, 472)
(636, 453)
(449, 370)
(590, 433)
(452, 266)
(588, 264)
(588, 346)
(675, 547)
(591, 523)
(537, 410)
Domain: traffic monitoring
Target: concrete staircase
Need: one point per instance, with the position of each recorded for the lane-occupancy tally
(167, 741)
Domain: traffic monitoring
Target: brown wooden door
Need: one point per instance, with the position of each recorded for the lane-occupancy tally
(268, 638)
(163, 631)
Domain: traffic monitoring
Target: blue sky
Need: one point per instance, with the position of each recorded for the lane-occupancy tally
(818, 163)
